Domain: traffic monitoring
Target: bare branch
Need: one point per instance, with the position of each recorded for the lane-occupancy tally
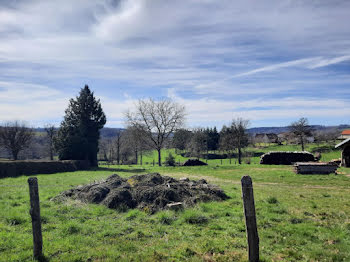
(15, 136)
(157, 120)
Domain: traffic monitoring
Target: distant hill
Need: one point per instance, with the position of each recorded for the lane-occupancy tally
(108, 132)
(278, 130)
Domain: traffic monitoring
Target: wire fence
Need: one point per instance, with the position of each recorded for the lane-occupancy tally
(256, 184)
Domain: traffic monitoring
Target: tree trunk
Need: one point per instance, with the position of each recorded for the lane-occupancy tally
(239, 155)
(51, 153)
(51, 150)
(118, 155)
(302, 143)
(14, 155)
(159, 157)
(136, 157)
(141, 157)
(93, 161)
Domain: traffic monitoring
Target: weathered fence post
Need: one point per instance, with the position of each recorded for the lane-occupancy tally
(35, 214)
(250, 219)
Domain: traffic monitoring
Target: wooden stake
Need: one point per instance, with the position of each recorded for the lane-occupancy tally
(35, 214)
(250, 219)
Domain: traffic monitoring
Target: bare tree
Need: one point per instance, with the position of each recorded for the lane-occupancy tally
(50, 132)
(198, 143)
(118, 145)
(301, 129)
(138, 141)
(133, 138)
(15, 136)
(103, 146)
(235, 136)
(181, 139)
(157, 120)
(226, 141)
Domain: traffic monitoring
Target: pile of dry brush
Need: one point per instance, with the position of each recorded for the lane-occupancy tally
(150, 192)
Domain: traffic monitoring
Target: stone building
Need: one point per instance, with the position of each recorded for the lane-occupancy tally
(266, 138)
(345, 134)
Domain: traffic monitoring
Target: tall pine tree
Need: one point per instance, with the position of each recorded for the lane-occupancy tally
(78, 136)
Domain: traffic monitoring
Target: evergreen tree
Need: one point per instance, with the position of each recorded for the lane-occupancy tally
(78, 136)
(213, 138)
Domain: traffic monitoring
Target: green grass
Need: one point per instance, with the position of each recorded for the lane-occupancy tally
(329, 154)
(300, 218)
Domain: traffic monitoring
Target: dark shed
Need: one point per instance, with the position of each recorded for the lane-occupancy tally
(345, 154)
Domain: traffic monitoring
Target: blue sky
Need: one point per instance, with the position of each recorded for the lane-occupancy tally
(271, 62)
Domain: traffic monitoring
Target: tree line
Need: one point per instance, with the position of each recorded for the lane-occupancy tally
(152, 125)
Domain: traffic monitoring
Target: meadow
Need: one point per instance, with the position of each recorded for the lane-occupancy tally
(300, 217)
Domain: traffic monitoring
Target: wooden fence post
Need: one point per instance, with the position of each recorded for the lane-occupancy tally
(250, 219)
(35, 214)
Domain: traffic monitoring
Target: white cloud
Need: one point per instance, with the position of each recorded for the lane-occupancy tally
(208, 52)
(20, 92)
(277, 66)
(331, 61)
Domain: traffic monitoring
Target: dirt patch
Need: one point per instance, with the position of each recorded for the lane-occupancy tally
(194, 162)
(150, 192)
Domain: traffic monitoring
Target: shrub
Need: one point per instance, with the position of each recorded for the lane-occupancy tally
(19, 168)
(170, 160)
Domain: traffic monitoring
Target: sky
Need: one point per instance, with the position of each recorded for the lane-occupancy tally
(270, 62)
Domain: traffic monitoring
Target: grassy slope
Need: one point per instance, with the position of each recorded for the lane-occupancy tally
(300, 218)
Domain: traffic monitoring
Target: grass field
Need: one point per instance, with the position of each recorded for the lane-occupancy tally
(300, 218)
(331, 153)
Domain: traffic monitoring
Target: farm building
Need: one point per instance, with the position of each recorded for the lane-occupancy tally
(292, 139)
(345, 134)
(266, 138)
(345, 154)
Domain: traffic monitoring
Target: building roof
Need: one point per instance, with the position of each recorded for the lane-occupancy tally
(343, 143)
(346, 132)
